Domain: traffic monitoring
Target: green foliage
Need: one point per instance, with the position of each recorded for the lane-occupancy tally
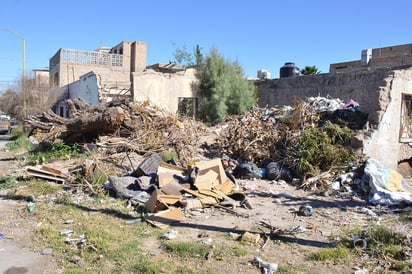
(182, 56)
(59, 150)
(319, 149)
(186, 249)
(20, 143)
(229, 251)
(11, 102)
(406, 216)
(383, 244)
(17, 132)
(224, 89)
(168, 155)
(185, 58)
(6, 182)
(310, 70)
(330, 254)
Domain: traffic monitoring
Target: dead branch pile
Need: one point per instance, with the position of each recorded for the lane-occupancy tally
(257, 134)
(118, 126)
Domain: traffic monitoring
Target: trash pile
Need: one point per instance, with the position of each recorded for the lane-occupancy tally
(263, 143)
(162, 189)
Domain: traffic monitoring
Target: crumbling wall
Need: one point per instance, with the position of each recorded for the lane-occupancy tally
(378, 92)
(163, 89)
(368, 88)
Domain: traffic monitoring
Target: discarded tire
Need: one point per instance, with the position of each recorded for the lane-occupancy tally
(360, 243)
(305, 210)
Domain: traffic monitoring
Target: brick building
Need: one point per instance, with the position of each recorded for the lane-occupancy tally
(392, 56)
(121, 71)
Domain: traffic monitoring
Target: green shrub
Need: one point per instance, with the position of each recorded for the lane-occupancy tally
(59, 150)
(20, 143)
(319, 149)
(330, 254)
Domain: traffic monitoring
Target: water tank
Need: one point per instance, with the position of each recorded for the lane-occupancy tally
(366, 57)
(263, 74)
(289, 70)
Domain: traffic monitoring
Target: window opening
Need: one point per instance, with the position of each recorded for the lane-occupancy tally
(406, 119)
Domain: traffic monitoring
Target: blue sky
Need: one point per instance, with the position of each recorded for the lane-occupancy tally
(259, 34)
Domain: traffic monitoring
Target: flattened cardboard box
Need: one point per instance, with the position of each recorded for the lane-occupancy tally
(167, 173)
(214, 165)
(163, 218)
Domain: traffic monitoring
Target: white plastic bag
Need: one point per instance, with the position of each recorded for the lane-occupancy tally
(387, 187)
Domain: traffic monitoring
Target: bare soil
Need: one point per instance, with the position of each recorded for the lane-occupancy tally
(285, 237)
(275, 207)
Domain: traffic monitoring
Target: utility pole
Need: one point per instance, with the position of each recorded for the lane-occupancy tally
(23, 67)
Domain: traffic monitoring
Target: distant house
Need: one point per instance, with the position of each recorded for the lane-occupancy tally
(386, 57)
(118, 72)
(41, 78)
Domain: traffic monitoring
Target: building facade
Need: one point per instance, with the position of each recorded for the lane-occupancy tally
(392, 56)
(119, 72)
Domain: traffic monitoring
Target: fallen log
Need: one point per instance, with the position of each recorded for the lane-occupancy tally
(87, 123)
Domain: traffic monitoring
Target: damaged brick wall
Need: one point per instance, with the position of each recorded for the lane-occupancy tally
(378, 92)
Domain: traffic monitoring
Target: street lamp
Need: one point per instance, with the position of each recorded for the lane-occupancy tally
(24, 66)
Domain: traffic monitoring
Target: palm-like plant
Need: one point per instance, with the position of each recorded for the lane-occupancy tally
(310, 70)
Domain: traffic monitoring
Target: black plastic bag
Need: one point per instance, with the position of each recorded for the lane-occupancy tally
(247, 171)
(277, 171)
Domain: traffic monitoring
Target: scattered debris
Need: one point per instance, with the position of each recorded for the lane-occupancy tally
(360, 243)
(48, 173)
(267, 268)
(387, 187)
(305, 210)
(250, 237)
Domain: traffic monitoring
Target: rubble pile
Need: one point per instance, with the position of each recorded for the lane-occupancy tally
(277, 134)
(167, 191)
(262, 142)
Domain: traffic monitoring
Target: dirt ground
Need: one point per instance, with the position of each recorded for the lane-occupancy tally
(273, 206)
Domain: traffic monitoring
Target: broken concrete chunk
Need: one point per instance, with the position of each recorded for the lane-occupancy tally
(125, 187)
(148, 166)
(173, 188)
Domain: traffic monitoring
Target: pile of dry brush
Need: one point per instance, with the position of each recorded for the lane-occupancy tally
(120, 126)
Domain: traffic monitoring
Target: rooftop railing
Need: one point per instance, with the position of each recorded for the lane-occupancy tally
(91, 57)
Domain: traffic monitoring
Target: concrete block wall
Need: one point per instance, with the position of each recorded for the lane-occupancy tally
(377, 91)
(70, 73)
(163, 89)
(381, 57)
(364, 86)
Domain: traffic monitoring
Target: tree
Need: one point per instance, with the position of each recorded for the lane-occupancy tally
(11, 103)
(198, 55)
(310, 70)
(224, 89)
(33, 100)
(182, 56)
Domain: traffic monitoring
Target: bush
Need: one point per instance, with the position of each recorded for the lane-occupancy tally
(59, 150)
(319, 149)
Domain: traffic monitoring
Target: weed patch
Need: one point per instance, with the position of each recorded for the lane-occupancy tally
(20, 143)
(383, 244)
(58, 151)
(331, 254)
(186, 249)
(6, 182)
